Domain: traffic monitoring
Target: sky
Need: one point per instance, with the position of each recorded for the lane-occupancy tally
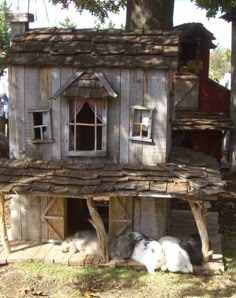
(47, 15)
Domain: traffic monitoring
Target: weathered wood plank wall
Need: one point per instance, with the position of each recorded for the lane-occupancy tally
(134, 87)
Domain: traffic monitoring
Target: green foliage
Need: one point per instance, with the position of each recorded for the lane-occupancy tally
(212, 7)
(220, 61)
(67, 23)
(4, 30)
(98, 8)
(110, 25)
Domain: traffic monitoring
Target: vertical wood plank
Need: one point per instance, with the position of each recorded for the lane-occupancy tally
(16, 112)
(136, 98)
(3, 228)
(65, 75)
(153, 221)
(156, 95)
(44, 102)
(23, 215)
(16, 217)
(137, 215)
(124, 116)
(44, 227)
(56, 115)
(32, 100)
(12, 112)
(33, 219)
(113, 122)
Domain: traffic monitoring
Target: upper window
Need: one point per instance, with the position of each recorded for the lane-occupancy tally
(141, 123)
(41, 126)
(87, 127)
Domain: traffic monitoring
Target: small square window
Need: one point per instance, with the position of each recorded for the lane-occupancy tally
(41, 126)
(141, 123)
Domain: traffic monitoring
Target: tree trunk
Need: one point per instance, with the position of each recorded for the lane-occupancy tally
(97, 222)
(150, 14)
(3, 229)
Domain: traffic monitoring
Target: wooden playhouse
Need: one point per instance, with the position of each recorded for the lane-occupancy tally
(91, 116)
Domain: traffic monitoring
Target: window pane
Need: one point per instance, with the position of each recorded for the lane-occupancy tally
(45, 132)
(37, 134)
(37, 118)
(136, 130)
(137, 116)
(99, 137)
(85, 138)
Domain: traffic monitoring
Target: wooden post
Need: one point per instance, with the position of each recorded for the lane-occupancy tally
(97, 222)
(199, 216)
(3, 229)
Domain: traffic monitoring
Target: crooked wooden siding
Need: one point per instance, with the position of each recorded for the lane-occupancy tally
(32, 87)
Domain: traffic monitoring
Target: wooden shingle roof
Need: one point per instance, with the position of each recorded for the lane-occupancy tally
(92, 47)
(187, 175)
(194, 120)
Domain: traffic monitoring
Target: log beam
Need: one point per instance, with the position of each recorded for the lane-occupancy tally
(3, 229)
(97, 222)
(199, 214)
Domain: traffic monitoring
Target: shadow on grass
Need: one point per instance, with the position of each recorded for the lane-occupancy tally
(107, 279)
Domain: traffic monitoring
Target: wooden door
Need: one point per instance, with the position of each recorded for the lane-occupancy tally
(53, 218)
(120, 215)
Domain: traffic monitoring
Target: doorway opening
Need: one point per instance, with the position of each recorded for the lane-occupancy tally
(78, 215)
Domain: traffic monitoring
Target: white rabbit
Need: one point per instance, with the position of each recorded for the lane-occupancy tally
(147, 251)
(176, 258)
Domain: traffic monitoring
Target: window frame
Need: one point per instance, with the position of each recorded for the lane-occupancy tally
(95, 152)
(132, 119)
(49, 125)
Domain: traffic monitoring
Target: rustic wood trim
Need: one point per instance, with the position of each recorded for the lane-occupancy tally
(47, 208)
(100, 153)
(106, 85)
(71, 79)
(97, 222)
(59, 236)
(53, 216)
(3, 228)
(198, 211)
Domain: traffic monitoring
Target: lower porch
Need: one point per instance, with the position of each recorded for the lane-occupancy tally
(184, 224)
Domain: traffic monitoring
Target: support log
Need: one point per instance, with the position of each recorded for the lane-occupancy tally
(199, 214)
(3, 229)
(97, 222)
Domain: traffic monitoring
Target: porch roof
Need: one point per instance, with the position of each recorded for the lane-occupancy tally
(194, 120)
(187, 175)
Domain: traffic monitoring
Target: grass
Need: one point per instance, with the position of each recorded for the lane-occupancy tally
(57, 281)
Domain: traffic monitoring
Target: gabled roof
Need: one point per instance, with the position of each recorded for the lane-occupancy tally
(91, 47)
(86, 85)
(194, 31)
(188, 174)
